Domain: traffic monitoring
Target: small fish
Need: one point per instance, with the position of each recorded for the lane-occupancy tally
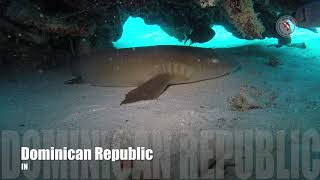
(308, 16)
(292, 45)
(200, 34)
(151, 69)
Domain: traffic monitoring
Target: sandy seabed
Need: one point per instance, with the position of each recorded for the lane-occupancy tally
(287, 97)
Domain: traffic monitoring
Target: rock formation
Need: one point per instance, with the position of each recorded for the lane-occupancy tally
(62, 24)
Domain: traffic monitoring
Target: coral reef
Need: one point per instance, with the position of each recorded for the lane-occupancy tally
(208, 3)
(242, 16)
(60, 23)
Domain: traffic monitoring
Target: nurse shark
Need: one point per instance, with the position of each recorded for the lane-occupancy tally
(150, 69)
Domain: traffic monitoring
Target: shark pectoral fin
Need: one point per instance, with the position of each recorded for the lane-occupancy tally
(151, 89)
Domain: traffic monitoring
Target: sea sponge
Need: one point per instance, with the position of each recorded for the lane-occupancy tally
(241, 15)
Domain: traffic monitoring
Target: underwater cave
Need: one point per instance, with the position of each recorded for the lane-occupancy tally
(187, 85)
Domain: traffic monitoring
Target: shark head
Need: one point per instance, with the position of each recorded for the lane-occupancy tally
(210, 64)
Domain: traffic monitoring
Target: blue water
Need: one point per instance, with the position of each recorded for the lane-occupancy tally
(136, 34)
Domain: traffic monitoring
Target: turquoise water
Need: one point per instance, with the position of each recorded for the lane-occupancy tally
(136, 34)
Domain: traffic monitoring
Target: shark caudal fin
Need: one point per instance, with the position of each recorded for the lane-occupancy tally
(151, 89)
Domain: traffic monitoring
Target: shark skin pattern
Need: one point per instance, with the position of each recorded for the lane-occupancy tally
(151, 69)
